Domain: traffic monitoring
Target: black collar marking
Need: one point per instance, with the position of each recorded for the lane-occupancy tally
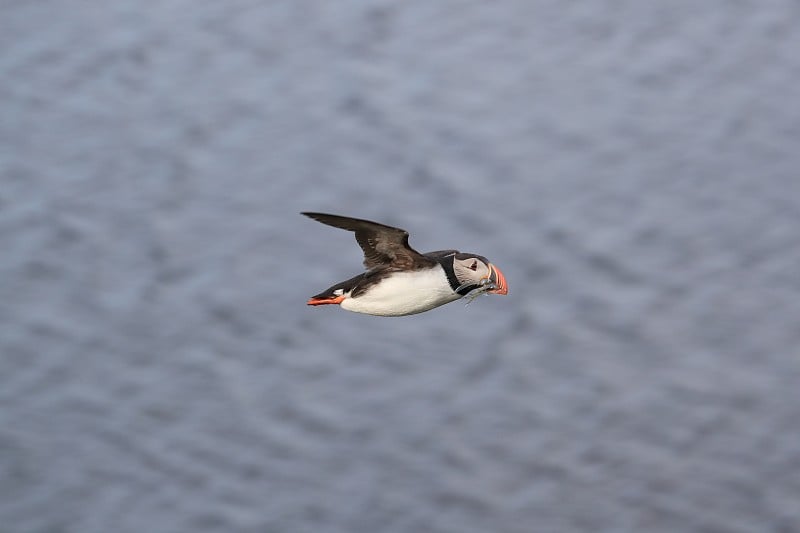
(447, 265)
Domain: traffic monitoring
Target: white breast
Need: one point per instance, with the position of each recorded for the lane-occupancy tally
(404, 293)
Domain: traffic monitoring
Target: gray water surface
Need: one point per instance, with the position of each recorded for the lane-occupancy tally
(632, 168)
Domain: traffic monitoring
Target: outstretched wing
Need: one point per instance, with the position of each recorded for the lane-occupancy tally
(383, 246)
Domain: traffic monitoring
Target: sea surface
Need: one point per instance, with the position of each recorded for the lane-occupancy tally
(632, 167)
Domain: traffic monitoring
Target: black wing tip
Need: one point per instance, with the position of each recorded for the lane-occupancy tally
(317, 215)
(337, 221)
(325, 218)
(351, 223)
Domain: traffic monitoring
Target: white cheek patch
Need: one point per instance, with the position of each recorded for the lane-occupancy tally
(338, 292)
(466, 275)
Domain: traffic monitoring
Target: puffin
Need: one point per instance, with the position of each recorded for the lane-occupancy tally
(401, 281)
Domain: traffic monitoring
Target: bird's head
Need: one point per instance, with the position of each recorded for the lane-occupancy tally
(476, 272)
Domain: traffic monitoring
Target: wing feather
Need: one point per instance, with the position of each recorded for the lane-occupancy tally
(383, 246)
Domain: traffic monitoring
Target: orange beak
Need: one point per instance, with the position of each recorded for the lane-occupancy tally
(499, 280)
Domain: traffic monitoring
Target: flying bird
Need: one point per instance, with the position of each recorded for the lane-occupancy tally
(401, 281)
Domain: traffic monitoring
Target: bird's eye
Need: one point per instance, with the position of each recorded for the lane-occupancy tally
(474, 265)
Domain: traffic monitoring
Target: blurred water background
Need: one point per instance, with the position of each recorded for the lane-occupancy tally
(632, 167)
